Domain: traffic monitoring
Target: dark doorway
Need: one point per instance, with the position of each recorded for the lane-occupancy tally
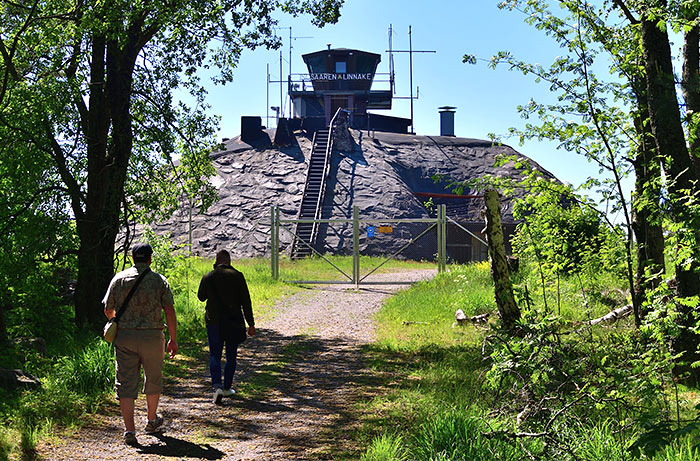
(462, 247)
(338, 102)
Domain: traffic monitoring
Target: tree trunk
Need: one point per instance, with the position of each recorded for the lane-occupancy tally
(95, 270)
(690, 86)
(505, 301)
(3, 327)
(108, 159)
(665, 120)
(646, 212)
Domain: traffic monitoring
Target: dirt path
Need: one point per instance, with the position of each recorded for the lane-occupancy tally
(304, 369)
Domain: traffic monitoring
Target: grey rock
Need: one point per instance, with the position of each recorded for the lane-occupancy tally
(381, 174)
(15, 379)
(36, 344)
(460, 316)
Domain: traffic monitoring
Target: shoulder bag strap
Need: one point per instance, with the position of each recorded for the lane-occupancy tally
(131, 293)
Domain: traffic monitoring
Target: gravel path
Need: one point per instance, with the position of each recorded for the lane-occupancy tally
(311, 352)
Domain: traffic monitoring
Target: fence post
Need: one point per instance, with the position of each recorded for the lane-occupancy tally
(355, 246)
(274, 243)
(444, 238)
(277, 242)
(441, 237)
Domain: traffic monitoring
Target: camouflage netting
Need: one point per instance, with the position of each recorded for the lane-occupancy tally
(381, 176)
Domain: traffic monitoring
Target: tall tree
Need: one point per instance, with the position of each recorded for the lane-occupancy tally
(640, 53)
(586, 118)
(646, 212)
(676, 147)
(90, 72)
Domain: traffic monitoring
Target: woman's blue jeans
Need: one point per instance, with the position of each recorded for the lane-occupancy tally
(216, 346)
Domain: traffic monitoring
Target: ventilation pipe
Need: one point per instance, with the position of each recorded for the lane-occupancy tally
(251, 128)
(447, 120)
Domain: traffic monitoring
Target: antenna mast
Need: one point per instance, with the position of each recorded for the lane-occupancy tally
(281, 80)
(267, 102)
(391, 60)
(289, 77)
(410, 52)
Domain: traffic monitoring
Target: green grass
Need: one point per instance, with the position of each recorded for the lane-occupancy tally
(457, 435)
(386, 447)
(6, 443)
(435, 392)
(425, 313)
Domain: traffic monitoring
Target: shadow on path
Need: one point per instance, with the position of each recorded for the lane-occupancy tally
(170, 446)
(297, 389)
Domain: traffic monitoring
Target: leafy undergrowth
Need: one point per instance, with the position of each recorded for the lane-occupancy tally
(556, 390)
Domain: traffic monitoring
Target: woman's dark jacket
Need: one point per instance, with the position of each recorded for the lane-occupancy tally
(228, 300)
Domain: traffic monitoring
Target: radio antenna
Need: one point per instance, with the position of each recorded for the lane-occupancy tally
(410, 52)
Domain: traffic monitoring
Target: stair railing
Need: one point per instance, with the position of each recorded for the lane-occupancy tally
(322, 187)
(326, 168)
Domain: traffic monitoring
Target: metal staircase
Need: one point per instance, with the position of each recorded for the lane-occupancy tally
(314, 191)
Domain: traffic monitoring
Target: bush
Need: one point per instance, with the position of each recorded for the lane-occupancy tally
(565, 236)
(386, 447)
(89, 372)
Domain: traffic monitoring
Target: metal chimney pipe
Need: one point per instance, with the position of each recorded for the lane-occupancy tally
(447, 120)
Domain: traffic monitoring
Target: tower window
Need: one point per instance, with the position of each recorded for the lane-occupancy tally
(341, 67)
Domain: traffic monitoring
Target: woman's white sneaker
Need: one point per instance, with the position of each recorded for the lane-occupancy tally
(218, 395)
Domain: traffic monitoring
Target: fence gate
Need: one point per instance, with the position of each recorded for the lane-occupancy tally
(371, 235)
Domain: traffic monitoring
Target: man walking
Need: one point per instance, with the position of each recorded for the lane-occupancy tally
(228, 302)
(140, 340)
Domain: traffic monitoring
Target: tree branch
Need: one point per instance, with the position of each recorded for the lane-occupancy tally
(8, 54)
(74, 191)
(59, 254)
(22, 209)
(626, 11)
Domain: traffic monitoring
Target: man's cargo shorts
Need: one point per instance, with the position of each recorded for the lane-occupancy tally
(134, 349)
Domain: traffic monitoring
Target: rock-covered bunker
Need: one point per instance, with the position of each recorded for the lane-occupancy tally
(375, 165)
(386, 175)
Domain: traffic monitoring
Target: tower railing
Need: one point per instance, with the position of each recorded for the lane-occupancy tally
(304, 83)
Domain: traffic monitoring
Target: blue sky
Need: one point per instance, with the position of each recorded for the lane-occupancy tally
(486, 99)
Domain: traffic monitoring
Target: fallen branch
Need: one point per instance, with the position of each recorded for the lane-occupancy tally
(612, 316)
(481, 318)
(514, 435)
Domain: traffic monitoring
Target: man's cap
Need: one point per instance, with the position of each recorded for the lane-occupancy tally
(141, 250)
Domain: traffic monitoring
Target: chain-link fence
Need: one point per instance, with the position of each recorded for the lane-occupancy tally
(420, 238)
(248, 235)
